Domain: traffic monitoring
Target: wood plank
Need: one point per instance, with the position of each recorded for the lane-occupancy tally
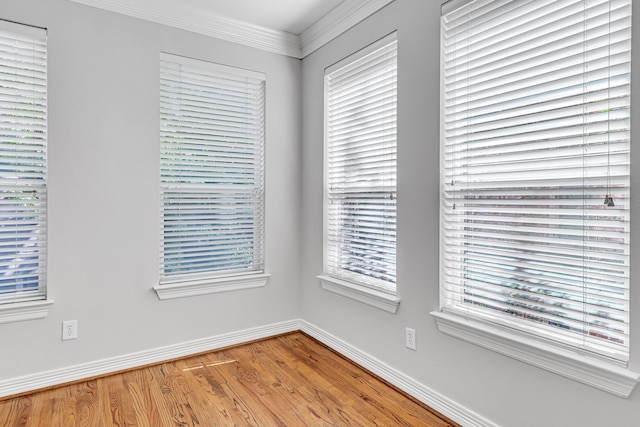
(116, 402)
(18, 410)
(86, 410)
(321, 402)
(338, 370)
(288, 380)
(138, 384)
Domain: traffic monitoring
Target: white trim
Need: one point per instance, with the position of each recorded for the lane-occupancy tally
(345, 16)
(596, 373)
(433, 399)
(363, 294)
(202, 22)
(210, 286)
(102, 367)
(20, 311)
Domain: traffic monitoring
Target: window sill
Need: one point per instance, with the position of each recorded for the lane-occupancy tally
(360, 293)
(21, 311)
(599, 374)
(210, 286)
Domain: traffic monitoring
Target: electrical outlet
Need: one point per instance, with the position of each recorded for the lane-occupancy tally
(69, 330)
(410, 338)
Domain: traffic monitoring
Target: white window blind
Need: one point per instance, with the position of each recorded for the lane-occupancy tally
(211, 169)
(535, 168)
(23, 162)
(361, 167)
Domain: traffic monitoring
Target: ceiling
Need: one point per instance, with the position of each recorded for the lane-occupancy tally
(291, 16)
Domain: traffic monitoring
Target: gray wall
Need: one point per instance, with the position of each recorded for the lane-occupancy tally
(104, 192)
(506, 391)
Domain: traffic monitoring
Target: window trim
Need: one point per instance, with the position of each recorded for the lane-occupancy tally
(364, 294)
(211, 285)
(574, 364)
(22, 311)
(376, 296)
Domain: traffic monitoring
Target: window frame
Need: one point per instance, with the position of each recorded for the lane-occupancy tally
(35, 304)
(564, 359)
(358, 287)
(213, 281)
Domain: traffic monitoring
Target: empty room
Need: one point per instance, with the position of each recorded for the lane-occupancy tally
(356, 212)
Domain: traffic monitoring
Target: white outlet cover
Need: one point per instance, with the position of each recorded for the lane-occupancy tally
(69, 330)
(410, 338)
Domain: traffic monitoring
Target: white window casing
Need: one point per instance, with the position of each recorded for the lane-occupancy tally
(23, 172)
(360, 175)
(212, 135)
(535, 196)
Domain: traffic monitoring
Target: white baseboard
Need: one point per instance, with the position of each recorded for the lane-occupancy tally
(55, 377)
(433, 399)
(110, 365)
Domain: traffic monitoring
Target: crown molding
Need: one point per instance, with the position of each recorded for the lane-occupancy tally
(187, 17)
(200, 21)
(344, 16)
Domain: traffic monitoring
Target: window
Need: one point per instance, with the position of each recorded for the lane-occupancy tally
(535, 151)
(23, 172)
(211, 177)
(360, 169)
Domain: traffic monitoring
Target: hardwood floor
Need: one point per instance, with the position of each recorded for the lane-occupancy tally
(290, 380)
